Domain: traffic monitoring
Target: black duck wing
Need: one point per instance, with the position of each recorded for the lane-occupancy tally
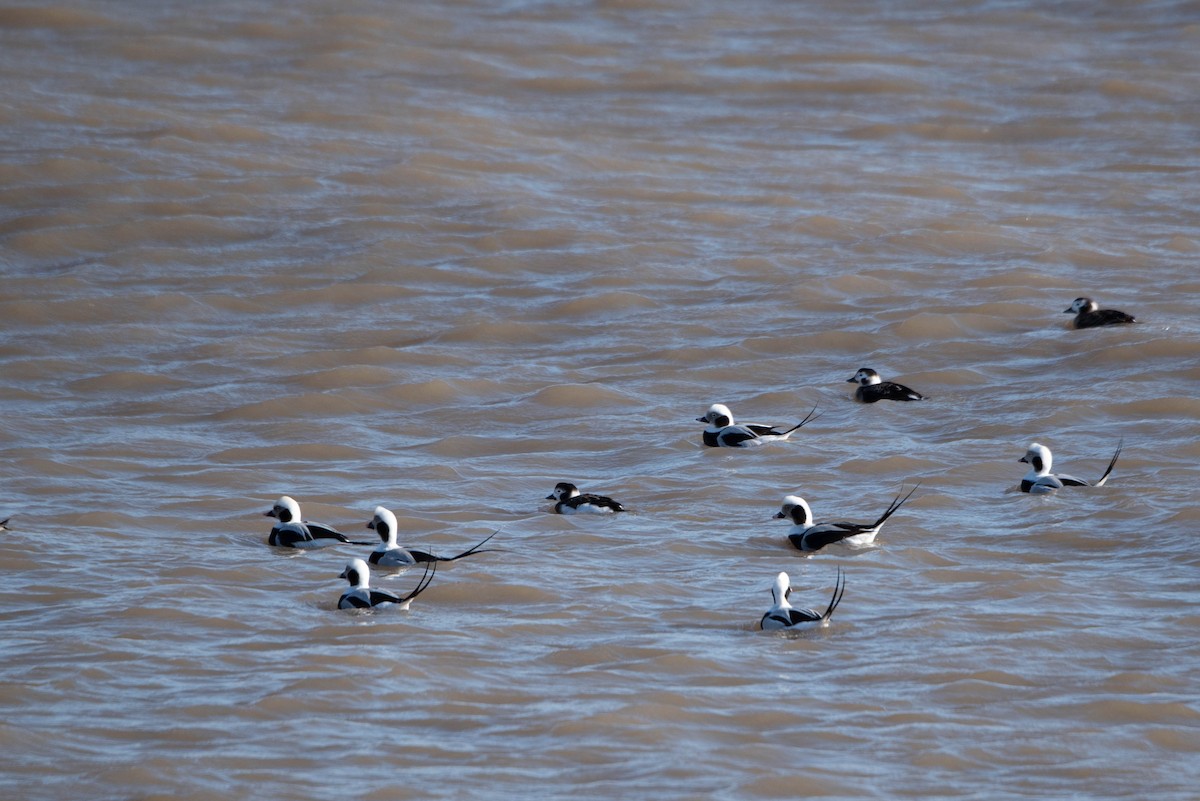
(822, 534)
(289, 535)
(735, 436)
(320, 531)
(602, 501)
(1103, 317)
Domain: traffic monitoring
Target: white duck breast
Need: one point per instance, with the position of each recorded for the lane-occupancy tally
(569, 501)
(1088, 314)
(809, 536)
(1041, 480)
(293, 532)
(361, 596)
(723, 432)
(782, 615)
(389, 553)
(872, 388)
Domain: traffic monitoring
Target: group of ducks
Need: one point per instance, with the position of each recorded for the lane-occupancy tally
(293, 531)
(721, 431)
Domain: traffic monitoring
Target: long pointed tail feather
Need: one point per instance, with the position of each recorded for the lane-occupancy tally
(425, 556)
(808, 418)
(897, 502)
(839, 589)
(426, 580)
(1111, 464)
(475, 549)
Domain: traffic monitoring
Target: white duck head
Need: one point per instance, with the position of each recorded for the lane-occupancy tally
(358, 574)
(285, 510)
(781, 590)
(1038, 457)
(384, 524)
(795, 509)
(717, 416)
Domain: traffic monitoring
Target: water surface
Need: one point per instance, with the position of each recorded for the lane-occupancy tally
(440, 256)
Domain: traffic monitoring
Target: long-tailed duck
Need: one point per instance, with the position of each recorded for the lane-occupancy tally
(872, 388)
(293, 532)
(782, 615)
(722, 432)
(361, 596)
(1088, 314)
(1039, 479)
(809, 536)
(389, 553)
(569, 500)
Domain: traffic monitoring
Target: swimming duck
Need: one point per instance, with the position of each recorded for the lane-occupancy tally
(1039, 479)
(809, 536)
(872, 388)
(782, 615)
(389, 553)
(361, 596)
(292, 532)
(569, 501)
(722, 432)
(1088, 314)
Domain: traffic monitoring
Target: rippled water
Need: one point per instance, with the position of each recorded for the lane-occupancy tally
(440, 256)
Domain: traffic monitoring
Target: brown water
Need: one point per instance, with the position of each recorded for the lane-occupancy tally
(440, 256)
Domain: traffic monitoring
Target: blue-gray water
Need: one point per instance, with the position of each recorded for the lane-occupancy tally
(442, 255)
